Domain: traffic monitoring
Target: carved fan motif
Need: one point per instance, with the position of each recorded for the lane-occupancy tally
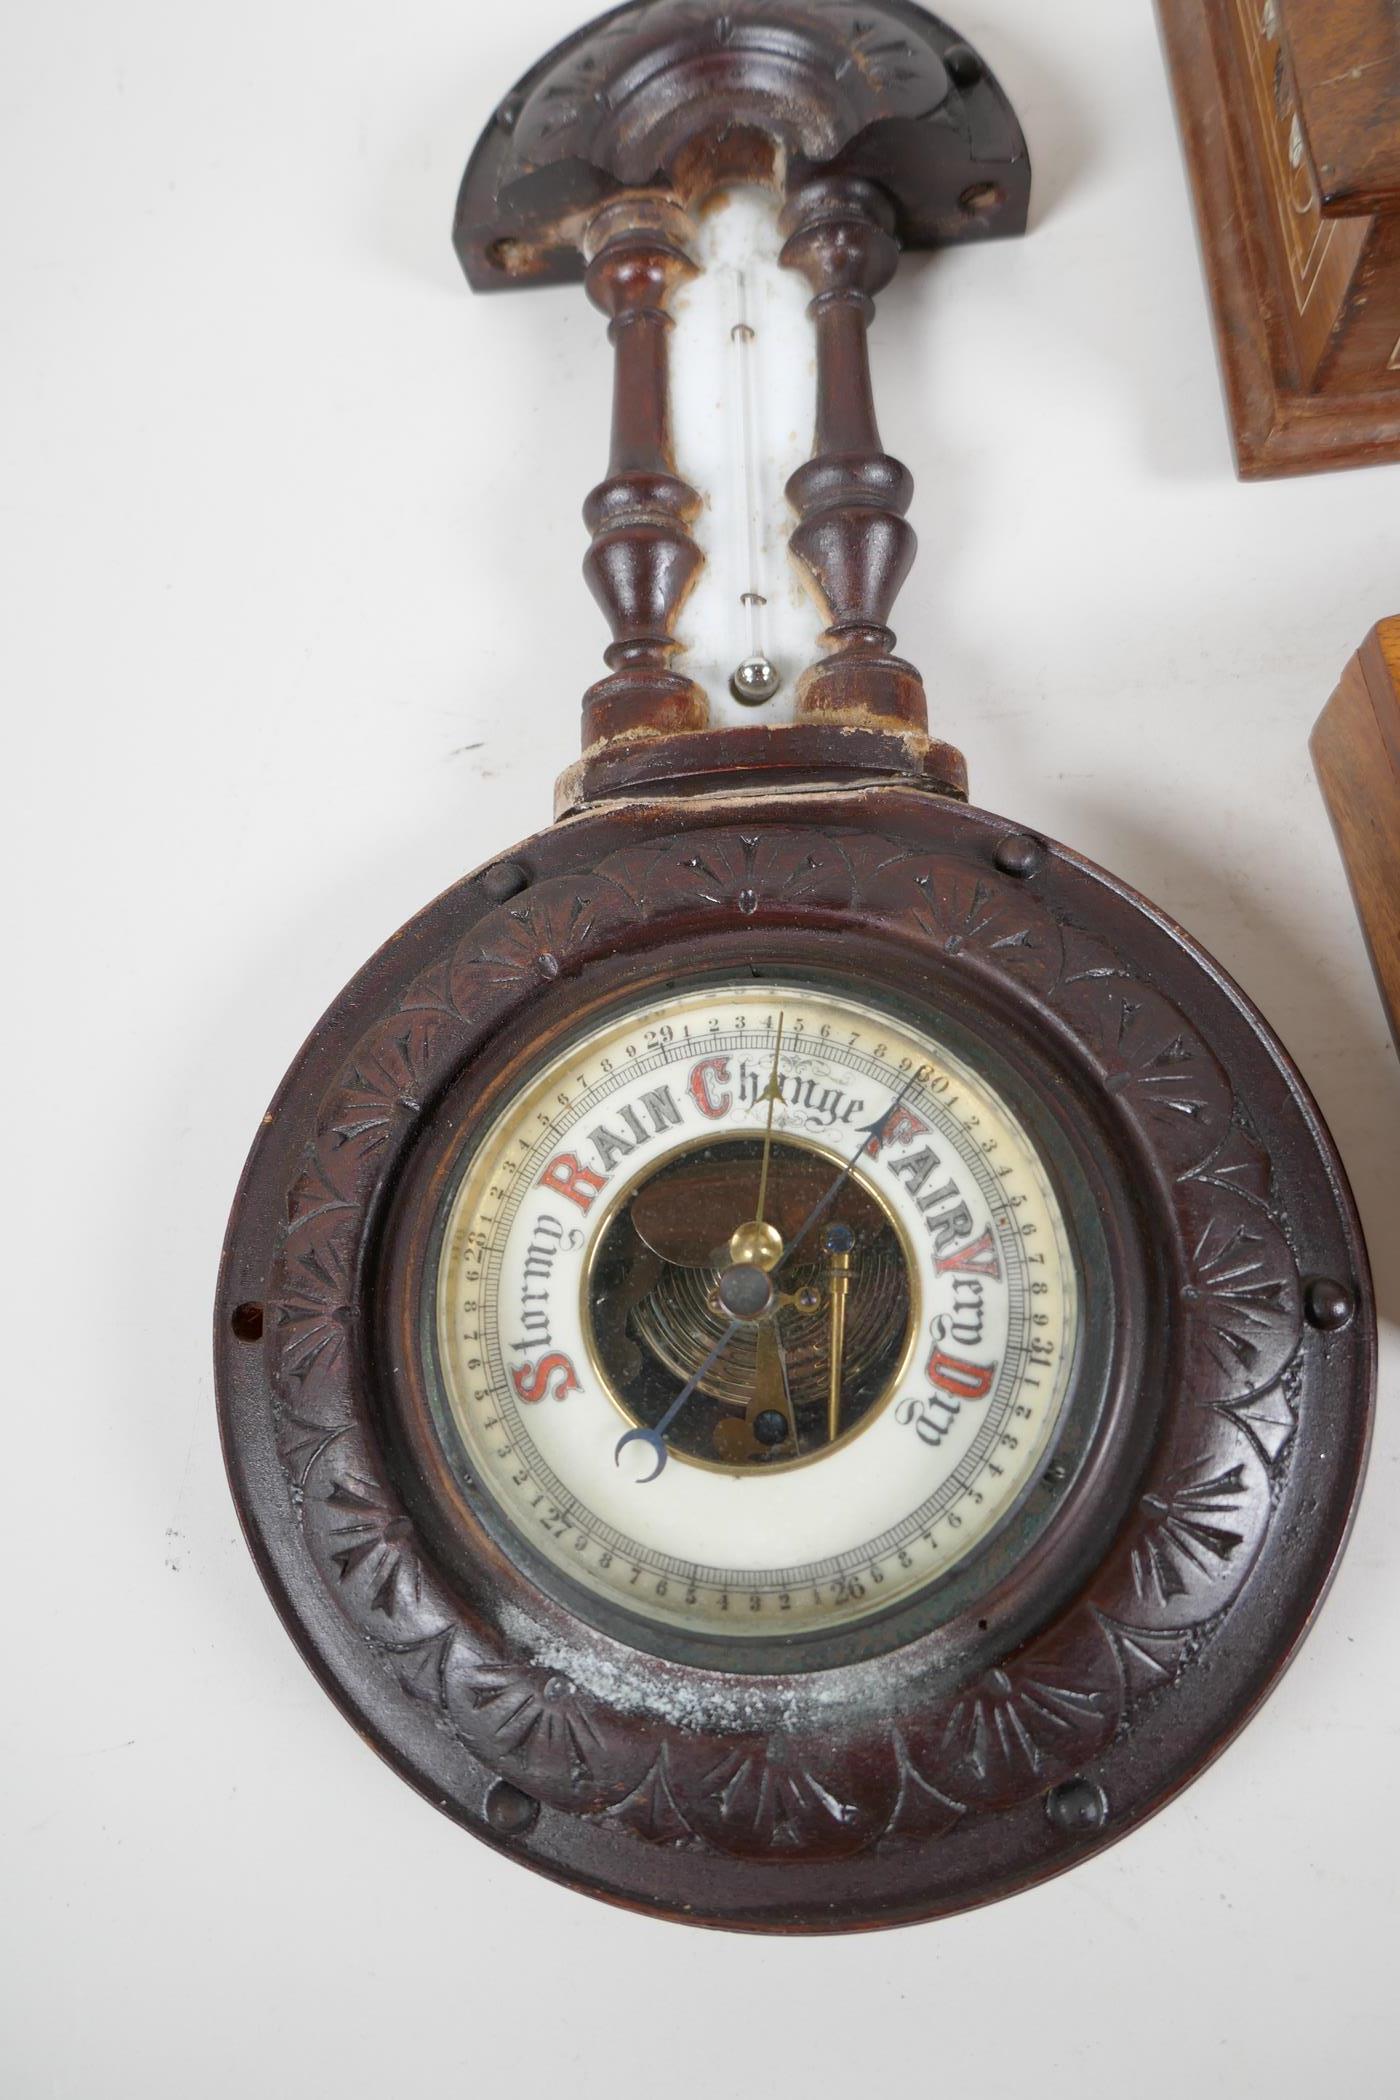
(846, 67)
(1199, 1525)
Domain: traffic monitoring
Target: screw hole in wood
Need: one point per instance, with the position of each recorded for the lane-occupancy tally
(246, 1321)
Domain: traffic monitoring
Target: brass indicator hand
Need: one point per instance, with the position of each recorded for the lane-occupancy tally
(772, 1094)
(756, 1242)
(767, 1421)
(745, 1291)
(837, 1242)
(686, 1215)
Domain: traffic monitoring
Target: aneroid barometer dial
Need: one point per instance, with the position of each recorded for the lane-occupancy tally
(755, 1310)
(791, 1352)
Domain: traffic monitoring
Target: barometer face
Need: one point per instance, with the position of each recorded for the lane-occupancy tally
(794, 1355)
(753, 1375)
(804, 1373)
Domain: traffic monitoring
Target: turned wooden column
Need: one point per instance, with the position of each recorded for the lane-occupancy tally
(852, 536)
(643, 560)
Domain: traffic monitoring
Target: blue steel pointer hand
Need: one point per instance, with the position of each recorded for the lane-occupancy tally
(871, 1134)
(655, 1439)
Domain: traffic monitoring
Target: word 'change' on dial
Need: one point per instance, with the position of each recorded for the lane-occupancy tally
(854, 1421)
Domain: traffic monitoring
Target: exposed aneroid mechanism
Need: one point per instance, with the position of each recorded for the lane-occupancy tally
(943, 1248)
(793, 1354)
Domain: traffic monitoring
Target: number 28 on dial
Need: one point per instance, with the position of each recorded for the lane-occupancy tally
(755, 1312)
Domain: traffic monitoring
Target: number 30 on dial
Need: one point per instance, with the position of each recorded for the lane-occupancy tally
(755, 1312)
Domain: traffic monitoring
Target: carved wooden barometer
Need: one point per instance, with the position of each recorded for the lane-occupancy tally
(793, 1354)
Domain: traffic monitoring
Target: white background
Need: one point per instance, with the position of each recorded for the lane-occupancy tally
(289, 641)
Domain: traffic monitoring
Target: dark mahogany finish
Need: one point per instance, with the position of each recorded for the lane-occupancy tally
(883, 131)
(1067, 1700)
(643, 559)
(851, 497)
(1074, 1684)
(693, 94)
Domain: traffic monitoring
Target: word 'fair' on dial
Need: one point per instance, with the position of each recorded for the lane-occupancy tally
(874, 1412)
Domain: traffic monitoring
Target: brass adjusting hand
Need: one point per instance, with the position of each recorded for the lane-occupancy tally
(755, 1241)
(767, 1424)
(838, 1242)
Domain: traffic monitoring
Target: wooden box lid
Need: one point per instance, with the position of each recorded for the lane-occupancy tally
(1346, 64)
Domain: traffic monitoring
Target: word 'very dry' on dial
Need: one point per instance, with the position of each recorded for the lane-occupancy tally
(866, 1307)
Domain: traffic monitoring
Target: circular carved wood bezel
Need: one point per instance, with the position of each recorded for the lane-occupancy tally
(989, 1602)
(1186, 1564)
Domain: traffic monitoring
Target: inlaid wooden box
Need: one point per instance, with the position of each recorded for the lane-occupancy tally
(1290, 121)
(1356, 751)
